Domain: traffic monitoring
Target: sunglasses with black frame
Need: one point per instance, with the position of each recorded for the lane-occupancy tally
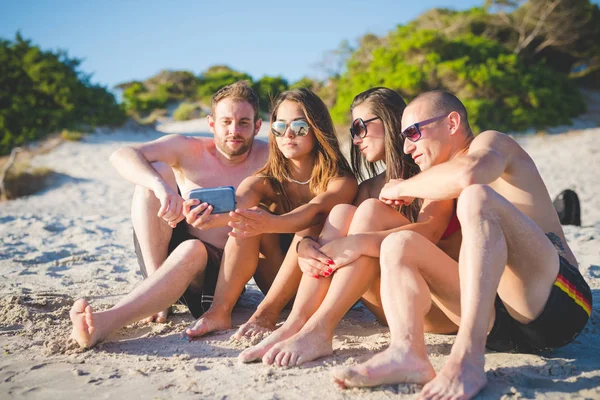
(359, 127)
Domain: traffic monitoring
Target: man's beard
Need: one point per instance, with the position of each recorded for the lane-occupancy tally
(235, 152)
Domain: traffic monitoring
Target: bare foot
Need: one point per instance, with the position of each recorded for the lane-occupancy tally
(302, 347)
(159, 318)
(257, 352)
(82, 317)
(393, 365)
(209, 322)
(460, 379)
(256, 325)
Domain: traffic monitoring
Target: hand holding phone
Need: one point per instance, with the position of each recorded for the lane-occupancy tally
(221, 198)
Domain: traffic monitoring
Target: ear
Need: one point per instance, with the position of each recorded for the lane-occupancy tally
(211, 123)
(257, 126)
(454, 122)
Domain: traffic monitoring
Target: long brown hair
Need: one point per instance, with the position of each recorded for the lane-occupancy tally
(329, 162)
(388, 105)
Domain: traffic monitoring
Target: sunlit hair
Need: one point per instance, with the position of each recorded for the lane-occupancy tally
(388, 105)
(329, 162)
(238, 91)
(440, 102)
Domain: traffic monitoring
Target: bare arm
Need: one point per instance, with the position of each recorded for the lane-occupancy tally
(134, 162)
(432, 222)
(249, 222)
(486, 160)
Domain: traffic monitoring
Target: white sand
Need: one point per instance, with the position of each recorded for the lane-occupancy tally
(74, 240)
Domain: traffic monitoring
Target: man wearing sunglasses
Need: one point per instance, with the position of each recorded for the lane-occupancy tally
(516, 285)
(179, 249)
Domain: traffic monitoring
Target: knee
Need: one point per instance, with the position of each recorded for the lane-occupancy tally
(475, 201)
(190, 255)
(365, 217)
(341, 212)
(399, 248)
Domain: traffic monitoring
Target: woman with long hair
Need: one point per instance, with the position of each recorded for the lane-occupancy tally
(305, 176)
(341, 266)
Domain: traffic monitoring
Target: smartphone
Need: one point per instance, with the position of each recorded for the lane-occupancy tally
(222, 198)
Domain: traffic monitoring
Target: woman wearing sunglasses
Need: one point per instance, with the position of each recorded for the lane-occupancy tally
(305, 176)
(346, 254)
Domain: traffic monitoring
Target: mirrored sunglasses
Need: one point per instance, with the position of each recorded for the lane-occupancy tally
(299, 127)
(359, 127)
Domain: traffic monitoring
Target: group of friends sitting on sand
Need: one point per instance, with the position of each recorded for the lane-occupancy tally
(457, 234)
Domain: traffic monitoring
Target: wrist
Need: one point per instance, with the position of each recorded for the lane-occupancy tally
(301, 240)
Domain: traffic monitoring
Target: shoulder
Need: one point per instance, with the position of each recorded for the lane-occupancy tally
(344, 178)
(256, 183)
(372, 186)
(493, 139)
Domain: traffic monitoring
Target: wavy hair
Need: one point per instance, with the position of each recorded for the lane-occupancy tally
(329, 162)
(388, 105)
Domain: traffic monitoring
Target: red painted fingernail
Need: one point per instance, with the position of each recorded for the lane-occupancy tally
(329, 270)
(326, 274)
(330, 262)
(316, 276)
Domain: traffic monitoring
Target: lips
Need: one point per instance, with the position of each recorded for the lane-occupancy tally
(417, 156)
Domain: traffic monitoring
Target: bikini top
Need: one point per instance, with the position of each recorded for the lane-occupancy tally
(452, 227)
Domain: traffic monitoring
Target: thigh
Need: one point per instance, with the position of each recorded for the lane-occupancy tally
(532, 260)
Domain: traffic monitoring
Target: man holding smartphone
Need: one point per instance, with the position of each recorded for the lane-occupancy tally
(179, 243)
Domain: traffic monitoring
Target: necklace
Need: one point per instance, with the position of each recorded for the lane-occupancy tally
(298, 182)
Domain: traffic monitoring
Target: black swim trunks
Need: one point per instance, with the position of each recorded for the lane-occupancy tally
(197, 301)
(564, 316)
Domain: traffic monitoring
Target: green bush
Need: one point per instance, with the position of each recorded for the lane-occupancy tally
(187, 111)
(72, 136)
(500, 90)
(43, 92)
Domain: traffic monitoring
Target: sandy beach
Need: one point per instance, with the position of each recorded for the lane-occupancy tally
(74, 240)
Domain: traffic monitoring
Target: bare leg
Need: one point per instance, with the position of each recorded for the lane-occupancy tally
(314, 340)
(240, 260)
(160, 290)
(503, 251)
(310, 292)
(405, 280)
(287, 282)
(153, 233)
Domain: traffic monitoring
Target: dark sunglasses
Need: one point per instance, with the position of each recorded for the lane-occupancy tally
(359, 127)
(413, 133)
(299, 127)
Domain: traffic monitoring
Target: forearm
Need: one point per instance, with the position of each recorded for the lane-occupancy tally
(132, 166)
(302, 218)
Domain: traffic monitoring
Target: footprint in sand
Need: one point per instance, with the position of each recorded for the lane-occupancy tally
(594, 271)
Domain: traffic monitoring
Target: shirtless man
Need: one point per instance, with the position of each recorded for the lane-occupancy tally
(516, 286)
(178, 252)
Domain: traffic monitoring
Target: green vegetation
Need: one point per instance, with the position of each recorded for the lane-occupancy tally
(187, 111)
(72, 136)
(43, 92)
(515, 64)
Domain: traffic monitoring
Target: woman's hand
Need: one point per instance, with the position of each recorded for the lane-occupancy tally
(311, 260)
(343, 251)
(250, 222)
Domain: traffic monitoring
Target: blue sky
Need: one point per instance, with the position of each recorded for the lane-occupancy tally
(134, 39)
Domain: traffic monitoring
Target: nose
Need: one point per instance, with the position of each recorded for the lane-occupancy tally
(234, 128)
(408, 147)
(356, 140)
(289, 133)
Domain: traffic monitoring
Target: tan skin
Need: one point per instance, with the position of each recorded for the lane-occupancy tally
(505, 211)
(253, 225)
(157, 168)
(351, 239)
